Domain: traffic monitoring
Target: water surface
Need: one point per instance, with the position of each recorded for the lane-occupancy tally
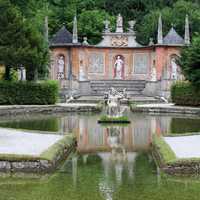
(111, 162)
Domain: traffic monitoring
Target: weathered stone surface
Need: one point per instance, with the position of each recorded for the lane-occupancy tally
(25, 166)
(46, 109)
(5, 166)
(45, 164)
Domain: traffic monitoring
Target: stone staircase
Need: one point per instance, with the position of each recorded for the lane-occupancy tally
(133, 87)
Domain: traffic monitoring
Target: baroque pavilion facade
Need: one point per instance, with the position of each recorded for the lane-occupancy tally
(118, 58)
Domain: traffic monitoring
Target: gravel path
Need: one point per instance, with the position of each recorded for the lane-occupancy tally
(185, 146)
(25, 143)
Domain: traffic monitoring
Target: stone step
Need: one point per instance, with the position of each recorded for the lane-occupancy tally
(118, 85)
(139, 99)
(133, 87)
(117, 88)
(130, 93)
(117, 81)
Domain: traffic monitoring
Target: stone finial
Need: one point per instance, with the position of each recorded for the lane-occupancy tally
(46, 29)
(187, 31)
(160, 32)
(75, 31)
(85, 42)
(119, 25)
(107, 28)
(131, 26)
(151, 42)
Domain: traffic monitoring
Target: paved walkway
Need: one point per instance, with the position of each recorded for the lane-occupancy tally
(185, 146)
(25, 143)
(166, 108)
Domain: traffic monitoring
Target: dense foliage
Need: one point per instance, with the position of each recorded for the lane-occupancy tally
(190, 62)
(21, 43)
(92, 13)
(184, 93)
(27, 93)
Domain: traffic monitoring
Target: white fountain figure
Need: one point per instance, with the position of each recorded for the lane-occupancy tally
(118, 67)
(114, 97)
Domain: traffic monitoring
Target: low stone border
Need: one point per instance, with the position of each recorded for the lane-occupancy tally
(165, 108)
(166, 160)
(47, 109)
(45, 163)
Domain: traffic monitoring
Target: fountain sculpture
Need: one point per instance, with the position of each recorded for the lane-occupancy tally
(114, 110)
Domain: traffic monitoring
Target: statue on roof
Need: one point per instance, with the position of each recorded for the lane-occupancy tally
(107, 23)
(119, 28)
(131, 26)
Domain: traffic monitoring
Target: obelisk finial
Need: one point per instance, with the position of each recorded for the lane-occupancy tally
(160, 32)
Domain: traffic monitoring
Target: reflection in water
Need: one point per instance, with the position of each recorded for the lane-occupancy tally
(74, 169)
(93, 137)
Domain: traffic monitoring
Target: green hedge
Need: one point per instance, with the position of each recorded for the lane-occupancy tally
(27, 93)
(184, 93)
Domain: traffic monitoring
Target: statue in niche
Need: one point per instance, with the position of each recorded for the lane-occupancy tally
(118, 68)
(153, 72)
(174, 67)
(82, 76)
(61, 67)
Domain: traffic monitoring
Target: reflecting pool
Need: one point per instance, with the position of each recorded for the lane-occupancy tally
(111, 162)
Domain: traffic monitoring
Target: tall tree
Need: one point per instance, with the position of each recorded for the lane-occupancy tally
(190, 61)
(20, 44)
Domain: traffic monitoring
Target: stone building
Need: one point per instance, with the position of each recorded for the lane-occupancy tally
(119, 60)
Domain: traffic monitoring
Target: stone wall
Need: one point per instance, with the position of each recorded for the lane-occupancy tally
(35, 166)
(47, 109)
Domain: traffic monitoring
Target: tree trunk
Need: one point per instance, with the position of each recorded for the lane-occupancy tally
(7, 74)
(32, 74)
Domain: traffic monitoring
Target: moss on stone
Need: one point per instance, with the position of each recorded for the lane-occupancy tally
(58, 148)
(49, 154)
(164, 150)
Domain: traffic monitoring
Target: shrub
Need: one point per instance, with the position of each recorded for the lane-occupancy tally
(184, 93)
(27, 93)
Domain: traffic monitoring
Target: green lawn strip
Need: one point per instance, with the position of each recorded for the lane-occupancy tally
(182, 134)
(53, 151)
(17, 158)
(107, 118)
(164, 150)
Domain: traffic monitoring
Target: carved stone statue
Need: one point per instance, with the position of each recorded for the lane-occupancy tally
(174, 68)
(153, 74)
(107, 23)
(118, 68)
(82, 76)
(113, 102)
(119, 28)
(131, 26)
(21, 74)
(61, 67)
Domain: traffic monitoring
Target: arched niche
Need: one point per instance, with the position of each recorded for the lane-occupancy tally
(174, 68)
(60, 66)
(118, 68)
